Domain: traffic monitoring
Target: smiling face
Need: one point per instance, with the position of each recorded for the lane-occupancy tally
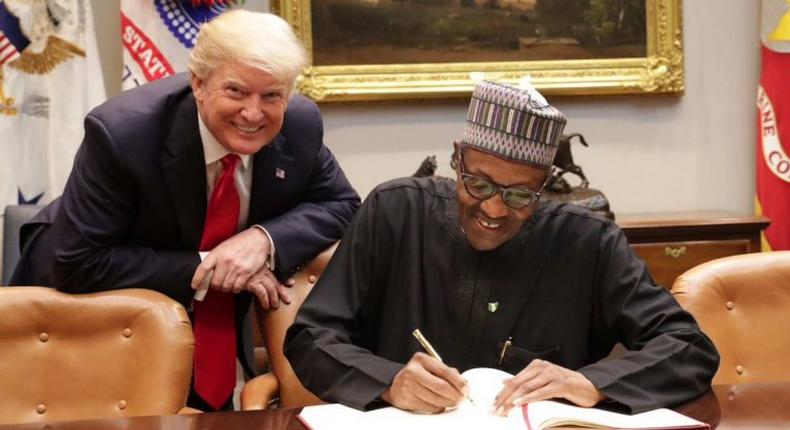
(243, 107)
(489, 223)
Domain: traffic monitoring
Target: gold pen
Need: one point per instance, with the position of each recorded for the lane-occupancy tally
(432, 352)
(426, 345)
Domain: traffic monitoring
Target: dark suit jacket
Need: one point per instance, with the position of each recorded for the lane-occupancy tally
(133, 209)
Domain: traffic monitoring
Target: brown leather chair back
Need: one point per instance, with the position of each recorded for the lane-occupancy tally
(743, 304)
(103, 355)
(275, 323)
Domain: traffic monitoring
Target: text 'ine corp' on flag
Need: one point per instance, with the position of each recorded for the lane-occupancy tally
(773, 113)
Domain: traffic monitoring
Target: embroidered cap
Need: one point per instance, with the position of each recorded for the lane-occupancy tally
(514, 123)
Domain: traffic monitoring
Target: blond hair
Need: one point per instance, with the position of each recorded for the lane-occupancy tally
(259, 40)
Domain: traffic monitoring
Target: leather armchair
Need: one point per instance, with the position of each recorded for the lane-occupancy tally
(742, 303)
(112, 354)
(281, 385)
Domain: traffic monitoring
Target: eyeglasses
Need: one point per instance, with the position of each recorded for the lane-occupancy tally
(483, 189)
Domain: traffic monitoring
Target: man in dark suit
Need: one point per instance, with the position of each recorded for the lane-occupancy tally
(215, 180)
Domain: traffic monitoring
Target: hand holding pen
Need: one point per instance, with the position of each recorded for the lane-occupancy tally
(432, 352)
(426, 384)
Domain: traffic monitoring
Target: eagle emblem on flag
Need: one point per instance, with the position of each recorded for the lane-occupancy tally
(36, 36)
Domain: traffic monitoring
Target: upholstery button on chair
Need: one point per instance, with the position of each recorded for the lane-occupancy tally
(281, 386)
(757, 334)
(91, 336)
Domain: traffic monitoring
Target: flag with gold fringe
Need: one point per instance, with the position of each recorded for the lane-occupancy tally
(50, 78)
(773, 124)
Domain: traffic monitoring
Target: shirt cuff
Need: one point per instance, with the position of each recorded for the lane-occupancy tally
(270, 263)
(202, 255)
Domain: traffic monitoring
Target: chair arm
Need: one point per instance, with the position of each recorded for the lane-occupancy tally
(259, 391)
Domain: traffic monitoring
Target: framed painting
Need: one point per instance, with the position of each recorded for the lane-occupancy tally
(416, 49)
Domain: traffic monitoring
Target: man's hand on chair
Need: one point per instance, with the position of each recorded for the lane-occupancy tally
(234, 261)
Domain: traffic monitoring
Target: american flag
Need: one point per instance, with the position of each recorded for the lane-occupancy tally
(12, 40)
(8, 51)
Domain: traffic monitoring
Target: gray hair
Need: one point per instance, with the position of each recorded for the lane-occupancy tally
(259, 40)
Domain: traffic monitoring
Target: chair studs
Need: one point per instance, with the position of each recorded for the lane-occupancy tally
(122, 404)
(730, 305)
(127, 332)
(739, 369)
(43, 337)
(41, 408)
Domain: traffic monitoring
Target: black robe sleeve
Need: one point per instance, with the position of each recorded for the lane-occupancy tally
(327, 344)
(669, 360)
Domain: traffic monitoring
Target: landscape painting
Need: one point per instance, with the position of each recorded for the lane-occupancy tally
(453, 31)
(414, 49)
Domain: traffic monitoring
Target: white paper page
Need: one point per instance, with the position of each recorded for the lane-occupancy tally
(464, 417)
(333, 417)
(484, 386)
(544, 413)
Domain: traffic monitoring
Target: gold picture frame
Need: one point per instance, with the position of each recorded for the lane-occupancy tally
(659, 71)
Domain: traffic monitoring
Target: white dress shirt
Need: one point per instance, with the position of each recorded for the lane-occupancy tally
(242, 178)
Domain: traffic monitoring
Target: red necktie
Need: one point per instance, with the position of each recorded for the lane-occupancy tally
(215, 331)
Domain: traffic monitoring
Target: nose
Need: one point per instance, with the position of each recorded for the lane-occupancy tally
(252, 110)
(494, 207)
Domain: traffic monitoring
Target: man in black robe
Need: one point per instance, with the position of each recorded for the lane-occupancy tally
(493, 277)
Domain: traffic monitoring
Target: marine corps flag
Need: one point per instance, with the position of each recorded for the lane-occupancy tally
(158, 34)
(49, 79)
(773, 125)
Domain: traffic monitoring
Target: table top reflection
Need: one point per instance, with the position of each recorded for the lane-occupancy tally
(743, 406)
(274, 419)
(726, 407)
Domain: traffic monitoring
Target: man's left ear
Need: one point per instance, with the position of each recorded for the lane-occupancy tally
(197, 87)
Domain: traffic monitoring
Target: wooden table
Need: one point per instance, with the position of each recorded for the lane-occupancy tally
(746, 406)
(673, 242)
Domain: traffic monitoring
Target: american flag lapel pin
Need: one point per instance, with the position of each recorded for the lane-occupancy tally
(279, 173)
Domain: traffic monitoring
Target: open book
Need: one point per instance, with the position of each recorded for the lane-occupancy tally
(484, 385)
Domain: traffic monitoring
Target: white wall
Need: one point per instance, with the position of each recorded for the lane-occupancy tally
(648, 153)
